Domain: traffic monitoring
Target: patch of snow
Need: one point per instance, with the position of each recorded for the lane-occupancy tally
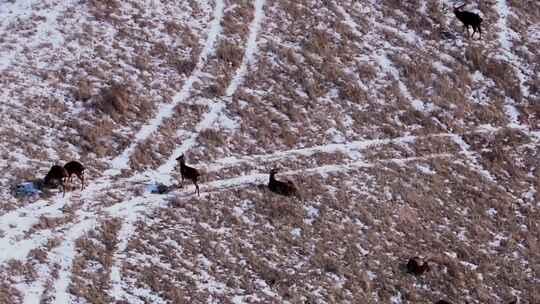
(397, 299)
(466, 149)
(441, 68)
(491, 212)
(64, 255)
(296, 232)
(251, 48)
(471, 266)
(503, 10)
(424, 168)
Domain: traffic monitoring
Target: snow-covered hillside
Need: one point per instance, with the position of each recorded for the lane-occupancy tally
(404, 137)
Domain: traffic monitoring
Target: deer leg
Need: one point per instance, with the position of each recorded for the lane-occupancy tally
(67, 180)
(196, 187)
(63, 183)
(81, 178)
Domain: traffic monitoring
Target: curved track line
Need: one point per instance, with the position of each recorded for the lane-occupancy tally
(216, 109)
(122, 160)
(218, 164)
(349, 148)
(64, 255)
(127, 229)
(211, 116)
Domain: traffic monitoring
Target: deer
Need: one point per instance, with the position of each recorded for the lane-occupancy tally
(59, 174)
(286, 188)
(469, 19)
(75, 168)
(188, 172)
(414, 267)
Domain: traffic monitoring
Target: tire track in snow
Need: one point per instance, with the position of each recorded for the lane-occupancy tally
(122, 160)
(209, 118)
(216, 109)
(219, 164)
(347, 148)
(64, 255)
(149, 201)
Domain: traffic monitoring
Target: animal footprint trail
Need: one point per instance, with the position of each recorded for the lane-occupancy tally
(212, 115)
(167, 111)
(216, 109)
(34, 212)
(130, 209)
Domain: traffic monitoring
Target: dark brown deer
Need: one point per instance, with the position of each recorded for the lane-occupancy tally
(414, 267)
(469, 19)
(56, 174)
(286, 188)
(75, 168)
(188, 172)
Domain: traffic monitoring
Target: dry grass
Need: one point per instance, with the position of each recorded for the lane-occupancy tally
(230, 54)
(345, 241)
(91, 268)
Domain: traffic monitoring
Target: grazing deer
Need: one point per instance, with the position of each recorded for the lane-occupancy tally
(286, 188)
(414, 267)
(56, 174)
(469, 19)
(188, 172)
(75, 168)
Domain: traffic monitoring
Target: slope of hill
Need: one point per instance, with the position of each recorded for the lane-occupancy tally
(404, 137)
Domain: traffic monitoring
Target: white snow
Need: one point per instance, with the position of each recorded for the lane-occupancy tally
(386, 66)
(250, 50)
(491, 212)
(424, 168)
(397, 299)
(503, 11)
(64, 255)
(296, 232)
(474, 163)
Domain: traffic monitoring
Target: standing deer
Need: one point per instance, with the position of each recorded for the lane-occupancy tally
(56, 174)
(286, 188)
(414, 267)
(469, 19)
(188, 172)
(75, 168)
